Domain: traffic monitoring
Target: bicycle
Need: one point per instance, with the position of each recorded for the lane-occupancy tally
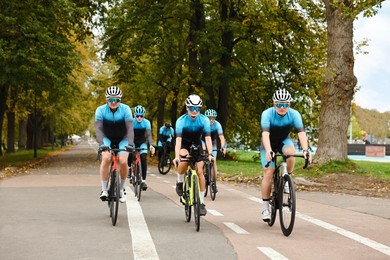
(191, 188)
(135, 172)
(211, 179)
(165, 161)
(283, 194)
(113, 183)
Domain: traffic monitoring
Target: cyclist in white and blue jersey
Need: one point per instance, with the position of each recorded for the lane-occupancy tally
(142, 133)
(165, 135)
(114, 126)
(216, 132)
(189, 130)
(276, 124)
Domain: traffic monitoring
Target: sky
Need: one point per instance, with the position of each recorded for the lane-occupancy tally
(373, 69)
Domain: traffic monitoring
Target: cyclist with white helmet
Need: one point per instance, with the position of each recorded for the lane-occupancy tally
(114, 126)
(189, 130)
(165, 135)
(142, 133)
(216, 132)
(276, 124)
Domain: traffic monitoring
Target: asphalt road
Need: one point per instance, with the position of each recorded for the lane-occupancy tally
(54, 213)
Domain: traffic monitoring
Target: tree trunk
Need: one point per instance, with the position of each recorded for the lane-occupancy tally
(11, 132)
(3, 107)
(337, 88)
(22, 140)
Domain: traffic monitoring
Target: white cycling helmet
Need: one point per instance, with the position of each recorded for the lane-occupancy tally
(194, 101)
(113, 91)
(139, 110)
(282, 95)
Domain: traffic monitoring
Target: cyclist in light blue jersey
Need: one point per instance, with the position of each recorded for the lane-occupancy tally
(216, 132)
(189, 130)
(165, 135)
(276, 124)
(114, 126)
(142, 131)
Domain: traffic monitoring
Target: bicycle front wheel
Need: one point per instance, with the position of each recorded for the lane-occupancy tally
(287, 205)
(196, 201)
(114, 194)
(138, 180)
(165, 163)
(213, 182)
(186, 198)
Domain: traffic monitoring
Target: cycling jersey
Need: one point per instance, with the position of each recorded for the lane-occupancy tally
(191, 130)
(165, 135)
(114, 125)
(278, 126)
(142, 130)
(215, 132)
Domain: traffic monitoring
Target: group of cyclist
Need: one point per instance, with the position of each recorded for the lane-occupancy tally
(115, 126)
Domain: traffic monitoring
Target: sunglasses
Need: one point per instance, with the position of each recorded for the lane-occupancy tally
(280, 105)
(192, 109)
(139, 116)
(116, 100)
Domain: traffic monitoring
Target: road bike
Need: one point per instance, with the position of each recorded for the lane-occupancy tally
(135, 172)
(113, 183)
(191, 188)
(210, 178)
(165, 161)
(283, 196)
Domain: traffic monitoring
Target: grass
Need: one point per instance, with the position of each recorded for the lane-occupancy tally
(248, 165)
(23, 157)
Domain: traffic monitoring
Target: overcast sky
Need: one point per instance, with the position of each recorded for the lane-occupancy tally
(373, 69)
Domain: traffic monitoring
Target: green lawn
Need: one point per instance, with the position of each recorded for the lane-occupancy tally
(248, 167)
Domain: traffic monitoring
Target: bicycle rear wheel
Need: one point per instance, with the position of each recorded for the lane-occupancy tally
(165, 163)
(138, 180)
(134, 181)
(287, 205)
(196, 202)
(213, 182)
(186, 198)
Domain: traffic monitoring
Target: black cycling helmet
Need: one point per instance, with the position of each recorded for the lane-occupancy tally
(167, 124)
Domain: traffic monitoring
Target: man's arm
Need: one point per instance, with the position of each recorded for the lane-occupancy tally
(130, 132)
(99, 132)
(267, 145)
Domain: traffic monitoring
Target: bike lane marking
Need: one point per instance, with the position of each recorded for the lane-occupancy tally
(235, 228)
(274, 255)
(142, 242)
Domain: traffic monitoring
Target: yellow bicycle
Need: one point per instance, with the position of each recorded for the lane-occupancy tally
(191, 189)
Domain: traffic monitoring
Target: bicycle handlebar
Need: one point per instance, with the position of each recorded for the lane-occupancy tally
(274, 156)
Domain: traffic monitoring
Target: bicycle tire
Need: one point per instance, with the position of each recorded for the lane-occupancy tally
(287, 205)
(206, 170)
(213, 182)
(196, 201)
(114, 197)
(134, 181)
(273, 204)
(139, 181)
(186, 197)
(163, 166)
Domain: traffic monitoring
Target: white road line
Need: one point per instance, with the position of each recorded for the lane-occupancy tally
(143, 245)
(272, 254)
(256, 199)
(167, 182)
(215, 213)
(235, 228)
(365, 241)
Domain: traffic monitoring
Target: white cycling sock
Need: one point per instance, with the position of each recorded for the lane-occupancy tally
(265, 205)
(202, 197)
(122, 187)
(104, 185)
(180, 177)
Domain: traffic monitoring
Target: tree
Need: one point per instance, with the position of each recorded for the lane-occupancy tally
(339, 81)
